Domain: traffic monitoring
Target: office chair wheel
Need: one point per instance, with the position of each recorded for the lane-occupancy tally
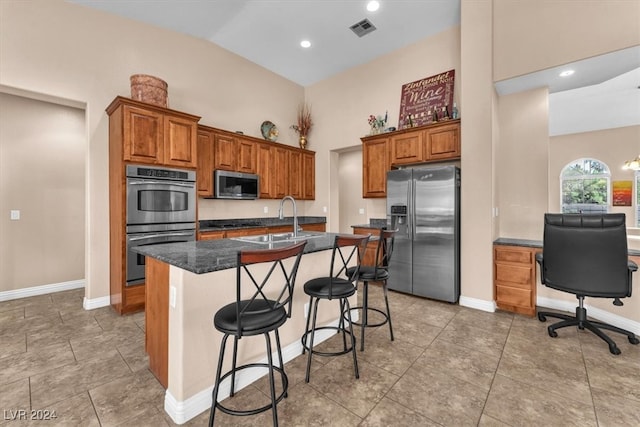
(634, 340)
(552, 332)
(542, 317)
(614, 350)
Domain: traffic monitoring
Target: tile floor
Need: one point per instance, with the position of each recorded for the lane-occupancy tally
(449, 366)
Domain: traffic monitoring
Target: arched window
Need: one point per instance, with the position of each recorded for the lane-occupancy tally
(584, 187)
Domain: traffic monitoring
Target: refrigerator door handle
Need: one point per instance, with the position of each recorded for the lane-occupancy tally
(410, 213)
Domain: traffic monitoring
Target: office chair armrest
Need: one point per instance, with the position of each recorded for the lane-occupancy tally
(632, 266)
(540, 261)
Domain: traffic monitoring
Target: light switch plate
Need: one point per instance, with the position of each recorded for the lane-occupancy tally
(15, 215)
(361, 211)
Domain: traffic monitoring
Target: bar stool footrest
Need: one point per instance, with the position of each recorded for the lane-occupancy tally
(325, 353)
(369, 325)
(285, 386)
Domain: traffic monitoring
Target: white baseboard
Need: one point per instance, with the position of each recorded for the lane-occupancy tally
(478, 304)
(93, 303)
(596, 313)
(41, 290)
(182, 411)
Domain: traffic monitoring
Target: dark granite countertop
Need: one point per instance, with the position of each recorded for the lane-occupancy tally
(230, 224)
(375, 223)
(538, 244)
(205, 256)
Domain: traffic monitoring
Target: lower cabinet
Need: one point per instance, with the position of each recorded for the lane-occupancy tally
(514, 278)
(240, 232)
(369, 253)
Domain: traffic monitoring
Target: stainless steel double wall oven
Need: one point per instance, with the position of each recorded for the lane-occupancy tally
(161, 208)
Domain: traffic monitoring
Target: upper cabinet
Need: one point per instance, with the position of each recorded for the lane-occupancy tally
(430, 143)
(153, 135)
(375, 164)
(283, 170)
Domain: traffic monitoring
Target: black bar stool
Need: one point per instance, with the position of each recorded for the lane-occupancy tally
(268, 308)
(378, 272)
(338, 285)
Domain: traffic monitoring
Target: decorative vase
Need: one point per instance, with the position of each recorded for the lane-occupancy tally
(303, 142)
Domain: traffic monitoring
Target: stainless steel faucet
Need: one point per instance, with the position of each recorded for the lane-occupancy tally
(295, 213)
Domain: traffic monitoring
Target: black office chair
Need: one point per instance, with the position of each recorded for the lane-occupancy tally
(265, 310)
(378, 272)
(338, 285)
(586, 255)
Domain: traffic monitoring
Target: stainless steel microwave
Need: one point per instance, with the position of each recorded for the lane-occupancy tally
(236, 185)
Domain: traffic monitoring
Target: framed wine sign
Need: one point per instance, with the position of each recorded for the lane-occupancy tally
(423, 101)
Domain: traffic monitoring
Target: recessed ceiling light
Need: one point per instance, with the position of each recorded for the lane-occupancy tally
(566, 73)
(305, 43)
(372, 6)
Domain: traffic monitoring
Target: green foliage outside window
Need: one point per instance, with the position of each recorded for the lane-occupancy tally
(585, 186)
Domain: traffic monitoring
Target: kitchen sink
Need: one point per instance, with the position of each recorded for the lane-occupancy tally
(278, 237)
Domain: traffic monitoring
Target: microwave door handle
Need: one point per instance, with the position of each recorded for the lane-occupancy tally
(145, 182)
(153, 236)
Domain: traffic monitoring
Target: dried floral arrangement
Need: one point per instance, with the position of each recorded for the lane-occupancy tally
(303, 127)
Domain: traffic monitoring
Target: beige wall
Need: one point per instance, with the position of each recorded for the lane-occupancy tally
(611, 146)
(477, 195)
(531, 35)
(522, 163)
(341, 105)
(42, 174)
(69, 51)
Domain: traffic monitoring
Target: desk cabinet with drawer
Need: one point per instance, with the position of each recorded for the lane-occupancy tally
(514, 278)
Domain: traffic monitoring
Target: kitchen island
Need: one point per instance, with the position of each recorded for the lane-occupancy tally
(186, 284)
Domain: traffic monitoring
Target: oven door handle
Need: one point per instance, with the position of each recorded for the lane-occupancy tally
(146, 181)
(154, 236)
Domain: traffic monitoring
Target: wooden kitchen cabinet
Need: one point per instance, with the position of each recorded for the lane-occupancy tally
(435, 142)
(375, 164)
(241, 232)
(372, 245)
(225, 152)
(264, 166)
(280, 172)
(514, 278)
(308, 175)
(205, 162)
(442, 142)
(295, 174)
(247, 156)
(152, 135)
(211, 235)
(406, 148)
(140, 133)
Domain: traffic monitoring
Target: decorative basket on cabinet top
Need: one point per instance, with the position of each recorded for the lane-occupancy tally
(149, 89)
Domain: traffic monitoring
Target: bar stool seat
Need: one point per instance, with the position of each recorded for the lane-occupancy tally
(267, 307)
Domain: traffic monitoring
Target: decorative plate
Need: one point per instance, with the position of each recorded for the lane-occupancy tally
(269, 130)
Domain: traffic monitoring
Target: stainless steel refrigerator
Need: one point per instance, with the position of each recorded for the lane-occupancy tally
(423, 204)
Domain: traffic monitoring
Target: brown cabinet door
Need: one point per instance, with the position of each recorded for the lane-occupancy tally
(295, 174)
(514, 278)
(204, 173)
(442, 142)
(225, 152)
(247, 156)
(211, 235)
(375, 164)
(280, 172)
(143, 136)
(406, 148)
(308, 176)
(265, 164)
(180, 136)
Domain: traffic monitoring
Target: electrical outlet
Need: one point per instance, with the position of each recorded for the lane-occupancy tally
(15, 215)
(324, 209)
(361, 211)
(265, 209)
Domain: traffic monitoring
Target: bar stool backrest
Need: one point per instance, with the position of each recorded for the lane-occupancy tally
(345, 249)
(385, 248)
(265, 294)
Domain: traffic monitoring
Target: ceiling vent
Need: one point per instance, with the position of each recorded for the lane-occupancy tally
(363, 28)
